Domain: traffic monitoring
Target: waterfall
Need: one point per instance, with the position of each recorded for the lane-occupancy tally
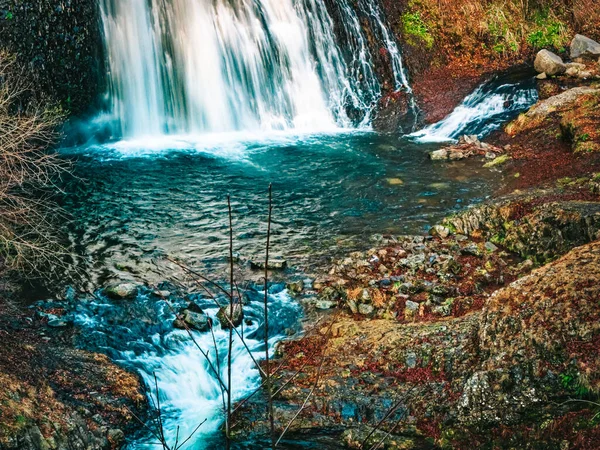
(213, 66)
(484, 110)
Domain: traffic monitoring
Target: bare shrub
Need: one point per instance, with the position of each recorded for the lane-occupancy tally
(28, 171)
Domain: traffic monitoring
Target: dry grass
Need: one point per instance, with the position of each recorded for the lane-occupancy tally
(480, 34)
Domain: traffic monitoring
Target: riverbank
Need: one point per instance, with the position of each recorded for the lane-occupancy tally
(55, 396)
(483, 334)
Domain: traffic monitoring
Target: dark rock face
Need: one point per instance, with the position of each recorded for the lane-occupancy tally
(60, 43)
(394, 114)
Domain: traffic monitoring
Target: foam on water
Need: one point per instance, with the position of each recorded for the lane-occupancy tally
(140, 336)
(482, 112)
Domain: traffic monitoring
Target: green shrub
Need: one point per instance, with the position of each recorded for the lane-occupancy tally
(415, 27)
(548, 32)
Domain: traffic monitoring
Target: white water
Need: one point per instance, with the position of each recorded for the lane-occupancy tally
(481, 112)
(193, 67)
(189, 390)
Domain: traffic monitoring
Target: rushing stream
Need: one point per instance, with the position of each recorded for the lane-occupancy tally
(215, 98)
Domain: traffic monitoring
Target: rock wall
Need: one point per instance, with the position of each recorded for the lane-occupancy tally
(60, 43)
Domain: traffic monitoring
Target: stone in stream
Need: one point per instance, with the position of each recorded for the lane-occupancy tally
(295, 287)
(193, 320)
(225, 317)
(582, 46)
(274, 264)
(121, 291)
(549, 63)
(57, 322)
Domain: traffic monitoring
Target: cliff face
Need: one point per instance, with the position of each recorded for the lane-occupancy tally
(60, 43)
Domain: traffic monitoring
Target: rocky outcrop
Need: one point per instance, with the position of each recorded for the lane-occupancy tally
(60, 43)
(537, 338)
(582, 46)
(533, 226)
(549, 63)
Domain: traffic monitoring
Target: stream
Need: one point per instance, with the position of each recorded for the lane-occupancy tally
(210, 100)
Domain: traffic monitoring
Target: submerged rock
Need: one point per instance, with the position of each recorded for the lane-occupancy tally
(582, 46)
(122, 291)
(549, 63)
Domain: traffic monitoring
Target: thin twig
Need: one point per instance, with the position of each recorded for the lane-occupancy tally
(266, 325)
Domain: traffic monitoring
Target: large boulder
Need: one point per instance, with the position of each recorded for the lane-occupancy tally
(538, 340)
(582, 46)
(549, 63)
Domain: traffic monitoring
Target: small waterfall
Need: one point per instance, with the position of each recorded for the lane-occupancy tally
(213, 66)
(139, 334)
(373, 10)
(483, 111)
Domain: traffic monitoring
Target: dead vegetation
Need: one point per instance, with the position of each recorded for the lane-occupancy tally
(28, 171)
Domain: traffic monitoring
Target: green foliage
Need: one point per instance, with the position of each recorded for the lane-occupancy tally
(21, 420)
(548, 32)
(572, 383)
(8, 15)
(415, 27)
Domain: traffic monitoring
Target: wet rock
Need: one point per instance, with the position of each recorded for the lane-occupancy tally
(122, 291)
(274, 264)
(549, 63)
(225, 317)
(394, 114)
(193, 320)
(582, 46)
(295, 287)
(193, 307)
(162, 294)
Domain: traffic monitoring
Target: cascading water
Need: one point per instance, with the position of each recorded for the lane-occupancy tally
(183, 67)
(485, 110)
(139, 334)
